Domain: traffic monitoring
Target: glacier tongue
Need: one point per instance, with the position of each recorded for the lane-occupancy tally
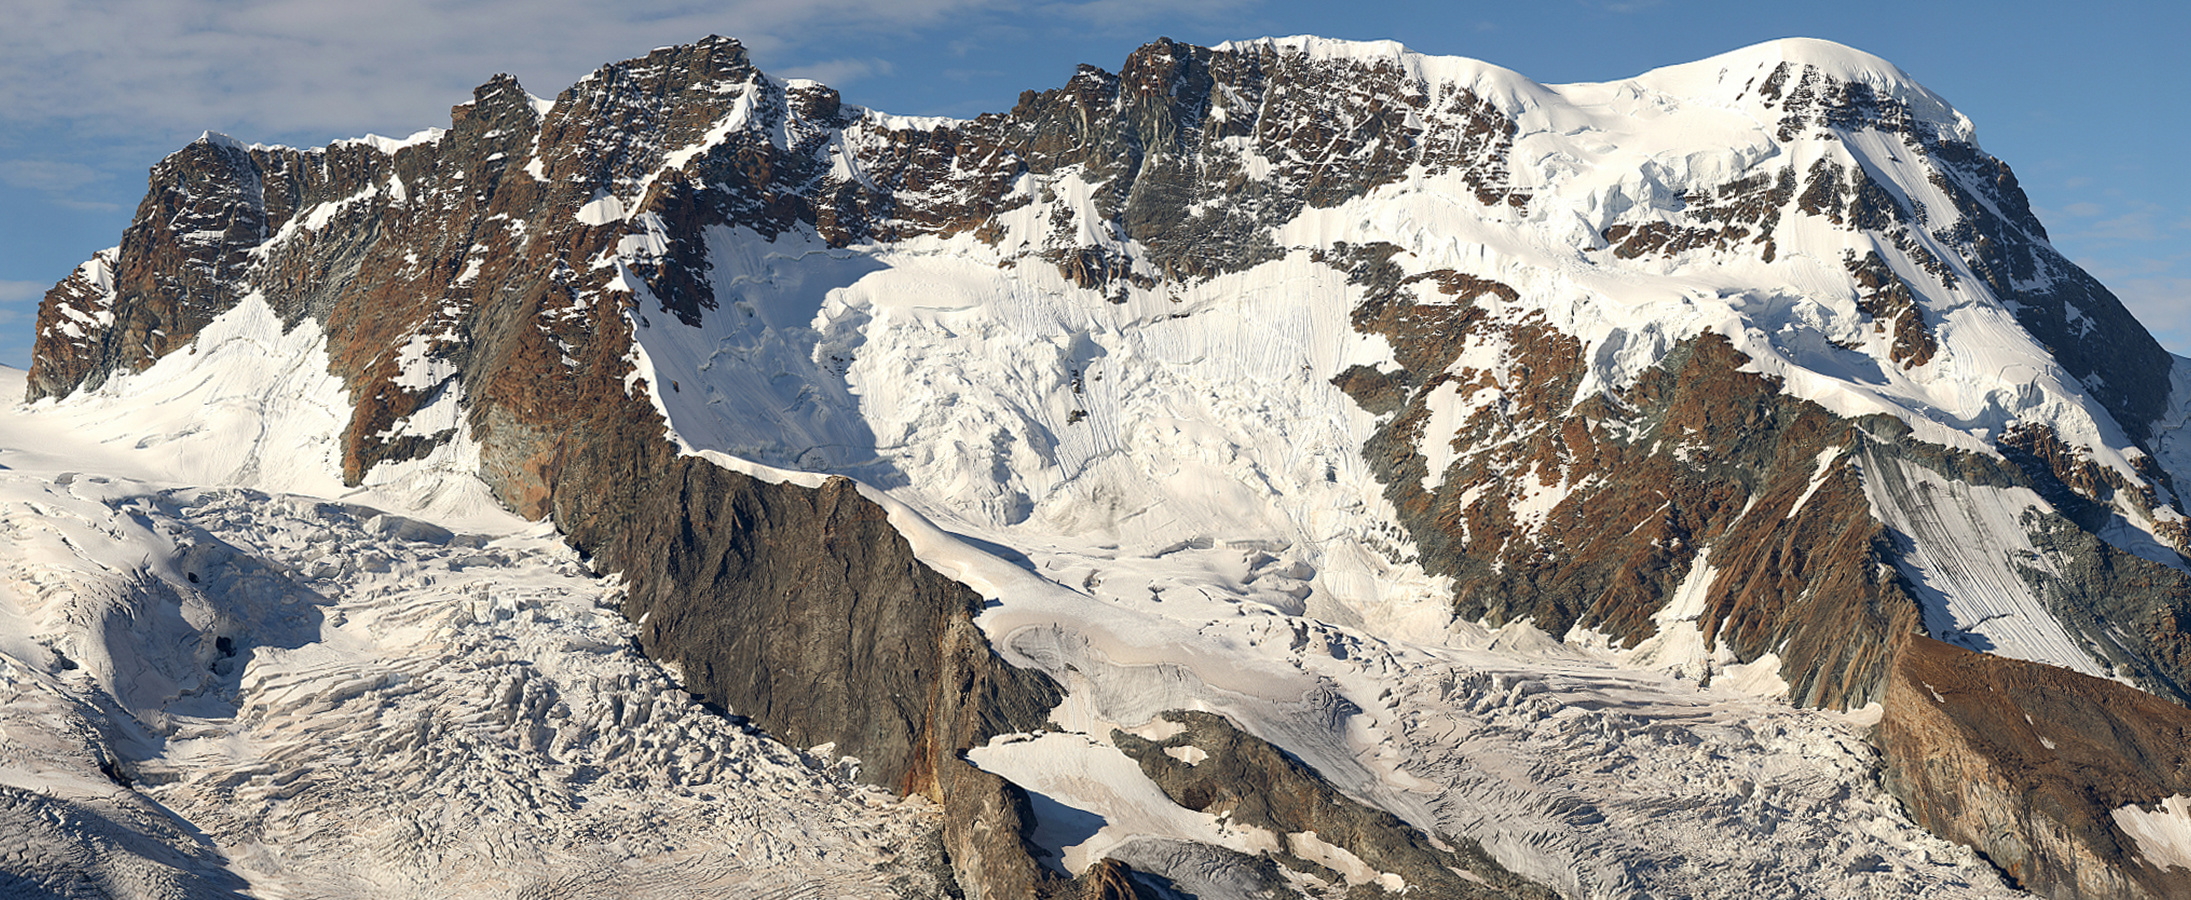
(312, 698)
(1598, 780)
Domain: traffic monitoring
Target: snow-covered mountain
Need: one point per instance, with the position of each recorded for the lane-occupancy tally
(1289, 467)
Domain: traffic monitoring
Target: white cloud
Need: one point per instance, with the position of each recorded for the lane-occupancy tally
(159, 71)
(87, 205)
(47, 175)
(280, 67)
(18, 306)
(840, 72)
(2157, 290)
(1129, 13)
(2116, 228)
(2130, 226)
(63, 183)
(20, 291)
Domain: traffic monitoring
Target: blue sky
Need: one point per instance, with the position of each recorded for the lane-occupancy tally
(2085, 102)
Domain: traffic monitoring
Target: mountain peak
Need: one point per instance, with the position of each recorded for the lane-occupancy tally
(219, 139)
(1833, 58)
(1737, 78)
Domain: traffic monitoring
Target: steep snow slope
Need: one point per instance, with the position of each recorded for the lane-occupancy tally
(970, 378)
(1967, 547)
(1600, 156)
(1162, 425)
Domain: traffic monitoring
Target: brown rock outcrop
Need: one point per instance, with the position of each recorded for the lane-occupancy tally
(1706, 456)
(1700, 455)
(178, 266)
(1112, 880)
(805, 611)
(800, 609)
(2029, 762)
(1247, 781)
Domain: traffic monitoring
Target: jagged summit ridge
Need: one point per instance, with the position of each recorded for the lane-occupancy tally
(1726, 79)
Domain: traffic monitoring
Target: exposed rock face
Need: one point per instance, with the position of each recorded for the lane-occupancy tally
(1885, 297)
(1249, 782)
(1708, 456)
(485, 287)
(840, 634)
(1720, 485)
(1112, 880)
(2030, 763)
(806, 612)
(178, 266)
(1993, 231)
(1728, 487)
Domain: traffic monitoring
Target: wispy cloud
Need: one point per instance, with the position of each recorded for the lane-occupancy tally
(964, 75)
(840, 72)
(1128, 13)
(157, 72)
(283, 67)
(2139, 225)
(20, 291)
(2115, 226)
(47, 175)
(82, 205)
(63, 183)
(1134, 16)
